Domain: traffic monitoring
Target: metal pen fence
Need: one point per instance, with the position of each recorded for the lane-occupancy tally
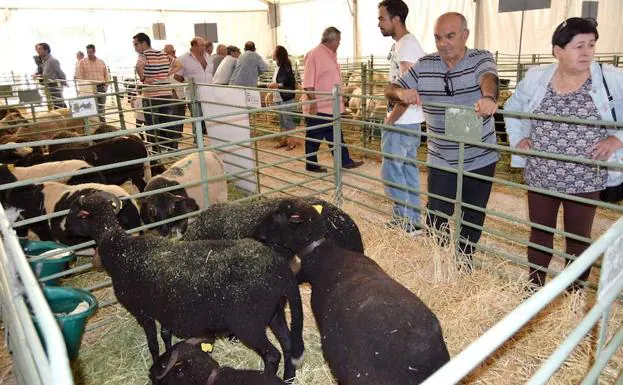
(292, 180)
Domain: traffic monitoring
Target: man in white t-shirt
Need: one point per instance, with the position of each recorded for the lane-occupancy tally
(403, 175)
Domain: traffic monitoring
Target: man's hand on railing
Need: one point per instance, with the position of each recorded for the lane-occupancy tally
(408, 96)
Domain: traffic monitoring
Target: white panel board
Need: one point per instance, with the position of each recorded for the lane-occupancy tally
(238, 158)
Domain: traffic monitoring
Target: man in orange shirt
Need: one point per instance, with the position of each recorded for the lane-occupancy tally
(94, 70)
(322, 72)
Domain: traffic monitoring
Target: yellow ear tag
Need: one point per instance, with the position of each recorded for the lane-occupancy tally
(318, 208)
(11, 167)
(207, 348)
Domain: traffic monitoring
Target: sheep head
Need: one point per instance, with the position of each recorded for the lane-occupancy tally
(91, 214)
(293, 224)
(184, 363)
(158, 207)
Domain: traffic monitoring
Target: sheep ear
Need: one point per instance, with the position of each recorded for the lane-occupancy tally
(83, 214)
(169, 365)
(295, 219)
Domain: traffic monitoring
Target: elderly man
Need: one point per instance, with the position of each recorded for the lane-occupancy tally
(226, 68)
(153, 68)
(321, 73)
(221, 52)
(95, 71)
(248, 67)
(197, 66)
(456, 75)
(52, 72)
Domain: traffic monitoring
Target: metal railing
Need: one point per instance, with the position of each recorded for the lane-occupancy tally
(338, 180)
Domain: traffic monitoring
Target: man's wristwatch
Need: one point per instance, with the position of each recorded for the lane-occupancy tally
(489, 97)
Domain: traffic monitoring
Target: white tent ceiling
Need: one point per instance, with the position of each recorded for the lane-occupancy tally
(166, 5)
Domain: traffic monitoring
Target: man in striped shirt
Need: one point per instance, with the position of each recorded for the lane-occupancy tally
(462, 76)
(153, 68)
(94, 70)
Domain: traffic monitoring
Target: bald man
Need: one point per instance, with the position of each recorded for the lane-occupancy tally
(221, 52)
(459, 75)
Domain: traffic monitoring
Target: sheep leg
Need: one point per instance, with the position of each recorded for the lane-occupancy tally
(255, 338)
(151, 333)
(166, 336)
(279, 326)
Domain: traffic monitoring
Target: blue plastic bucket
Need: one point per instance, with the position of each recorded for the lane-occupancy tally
(49, 266)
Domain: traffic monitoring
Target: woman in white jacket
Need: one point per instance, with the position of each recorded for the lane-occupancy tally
(572, 87)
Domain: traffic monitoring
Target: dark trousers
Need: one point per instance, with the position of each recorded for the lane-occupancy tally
(204, 131)
(324, 133)
(153, 107)
(101, 102)
(56, 94)
(578, 220)
(475, 192)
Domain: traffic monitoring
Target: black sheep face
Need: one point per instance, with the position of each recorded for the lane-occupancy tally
(163, 206)
(183, 364)
(90, 213)
(294, 224)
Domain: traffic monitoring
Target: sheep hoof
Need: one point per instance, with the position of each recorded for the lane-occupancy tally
(298, 362)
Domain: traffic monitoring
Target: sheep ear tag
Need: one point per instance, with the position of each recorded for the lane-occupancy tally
(10, 167)
(318, 208)
(206, 347)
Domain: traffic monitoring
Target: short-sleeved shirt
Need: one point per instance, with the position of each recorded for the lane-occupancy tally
(225, 70)
(94, 70)
(216, 60)
(157, 65)
(194, 70)
(407, 49)
(322, 72)
(427, 77)
(566, 139)
(248, 68)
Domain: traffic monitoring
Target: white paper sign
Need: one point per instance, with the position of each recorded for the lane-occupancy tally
(254, 99)
(83, 107)
(237, 158)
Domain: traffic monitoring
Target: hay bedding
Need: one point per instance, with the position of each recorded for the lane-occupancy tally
(467, 306)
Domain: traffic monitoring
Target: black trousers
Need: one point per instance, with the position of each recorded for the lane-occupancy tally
(56, 94)
(323, 133)
(476, 192)
(101, 102)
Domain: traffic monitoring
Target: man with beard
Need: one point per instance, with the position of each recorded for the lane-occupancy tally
(403, 174)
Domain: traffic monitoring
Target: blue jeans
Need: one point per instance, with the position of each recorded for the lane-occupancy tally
(401, 172)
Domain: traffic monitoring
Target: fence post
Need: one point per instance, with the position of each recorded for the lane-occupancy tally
(46, 91)
(458, 211)
(199, 140)
(115, 84)
(337, 145)
(363, 106)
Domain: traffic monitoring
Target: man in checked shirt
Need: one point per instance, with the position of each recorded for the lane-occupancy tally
(94, 69)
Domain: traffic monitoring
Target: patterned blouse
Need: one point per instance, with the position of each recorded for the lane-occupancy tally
(566, 139)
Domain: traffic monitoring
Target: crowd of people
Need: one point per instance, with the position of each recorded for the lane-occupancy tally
(574, 86)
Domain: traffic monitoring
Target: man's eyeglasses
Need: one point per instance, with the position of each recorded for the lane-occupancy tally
(449, 86)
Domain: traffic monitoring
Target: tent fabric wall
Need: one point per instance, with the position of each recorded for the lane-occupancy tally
(420, 22)
(500, 31)
(68, 31)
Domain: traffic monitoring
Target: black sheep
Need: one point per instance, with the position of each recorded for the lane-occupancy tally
(196, 289)
(187, 364)
(120, 149)
(50, 197)
(374, 330)
(241, 220)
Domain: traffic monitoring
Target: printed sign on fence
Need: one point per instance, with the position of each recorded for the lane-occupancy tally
(83, 108)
